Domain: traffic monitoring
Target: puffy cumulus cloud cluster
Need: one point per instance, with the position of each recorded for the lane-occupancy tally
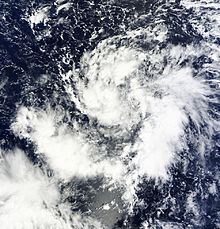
(68, 153)
(30, 200)
(173, 97)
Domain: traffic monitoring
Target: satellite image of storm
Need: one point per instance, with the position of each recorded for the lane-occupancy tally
(109, 114)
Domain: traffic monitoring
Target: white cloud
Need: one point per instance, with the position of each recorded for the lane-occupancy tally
(67, 152)
(109, 71)
(30, 200)
(39, 16)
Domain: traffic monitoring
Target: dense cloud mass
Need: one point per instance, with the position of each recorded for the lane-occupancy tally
(109, 114)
